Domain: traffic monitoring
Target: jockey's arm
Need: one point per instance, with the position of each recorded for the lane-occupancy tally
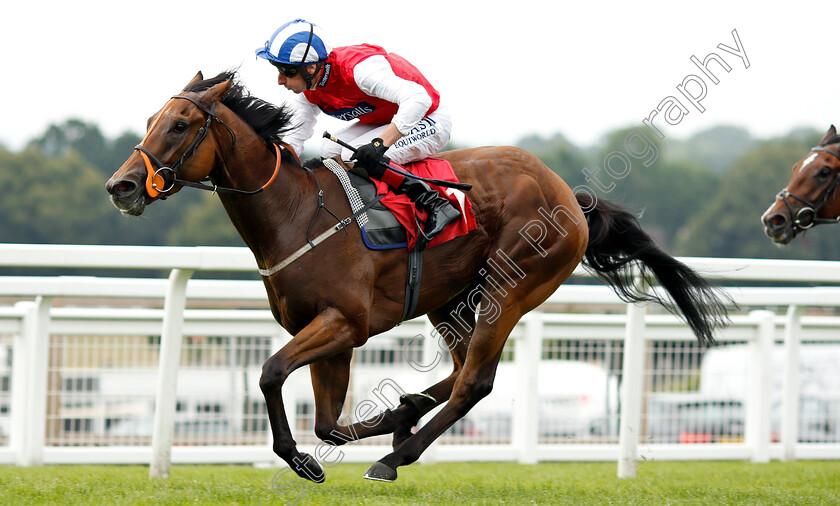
(390, 135)
(304, 117)
(375, 77)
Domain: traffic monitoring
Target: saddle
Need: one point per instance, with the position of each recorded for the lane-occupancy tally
(380, 228)
(394, 221)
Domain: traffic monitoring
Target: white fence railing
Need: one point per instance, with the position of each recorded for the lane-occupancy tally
(42, 335)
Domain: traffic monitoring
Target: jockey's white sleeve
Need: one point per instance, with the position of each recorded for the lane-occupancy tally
(304, 117)
(375, 77)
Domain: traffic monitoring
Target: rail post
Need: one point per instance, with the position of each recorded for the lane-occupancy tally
(790, 385)
(29, 383)
(759, 387)
(170, 358)
(526, 415)
(630, 413)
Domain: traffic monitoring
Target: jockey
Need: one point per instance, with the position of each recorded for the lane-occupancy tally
(398, 112)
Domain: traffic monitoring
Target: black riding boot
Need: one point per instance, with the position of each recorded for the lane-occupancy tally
(440, 211)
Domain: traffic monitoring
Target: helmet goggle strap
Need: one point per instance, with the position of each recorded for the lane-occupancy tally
(305, 75)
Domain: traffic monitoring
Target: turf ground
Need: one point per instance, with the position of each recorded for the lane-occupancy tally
(658, 483)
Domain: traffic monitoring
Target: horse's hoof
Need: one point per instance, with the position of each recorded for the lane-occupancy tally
(380, 472)
(309, 468)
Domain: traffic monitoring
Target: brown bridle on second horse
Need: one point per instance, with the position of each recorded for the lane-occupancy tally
(806, 217)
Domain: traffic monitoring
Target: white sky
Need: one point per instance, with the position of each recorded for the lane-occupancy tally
(506, 68)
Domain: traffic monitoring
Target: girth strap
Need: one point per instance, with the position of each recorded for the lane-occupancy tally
(412, 283)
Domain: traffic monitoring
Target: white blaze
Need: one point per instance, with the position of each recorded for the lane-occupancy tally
(807, 161)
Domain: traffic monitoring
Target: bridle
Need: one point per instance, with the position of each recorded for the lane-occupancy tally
(806, 217)
(168, 174)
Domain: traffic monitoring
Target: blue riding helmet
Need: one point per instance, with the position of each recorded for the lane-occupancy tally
(296, 42)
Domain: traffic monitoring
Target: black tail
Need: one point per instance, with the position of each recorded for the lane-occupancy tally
(617, 243)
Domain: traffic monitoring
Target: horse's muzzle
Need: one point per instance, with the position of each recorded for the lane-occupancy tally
(127, 195)
(778, 227)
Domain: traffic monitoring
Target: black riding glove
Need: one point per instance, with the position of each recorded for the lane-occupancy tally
(372, 156)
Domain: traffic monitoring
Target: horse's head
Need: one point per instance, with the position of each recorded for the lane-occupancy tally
(810, 197)
(180, 146)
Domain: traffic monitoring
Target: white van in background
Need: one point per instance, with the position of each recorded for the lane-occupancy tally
(724, 370)
(724, 373)
(576, 399)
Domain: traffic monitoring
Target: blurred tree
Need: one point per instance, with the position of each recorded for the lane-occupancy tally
(51, 199)
(204, 223)
(62, 200)
(88, 141)
(83, 142)
(560, 155)
(119, 150)
(692, 204)
(716, 148)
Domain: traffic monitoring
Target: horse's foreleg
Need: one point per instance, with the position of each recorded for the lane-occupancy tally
(329, 334)
(330, 384)
(330, 378)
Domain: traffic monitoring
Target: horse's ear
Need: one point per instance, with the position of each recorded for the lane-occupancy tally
(217, 92)
(198, 77)
(832, 132)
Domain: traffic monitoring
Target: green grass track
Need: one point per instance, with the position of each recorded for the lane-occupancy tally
(658, 483)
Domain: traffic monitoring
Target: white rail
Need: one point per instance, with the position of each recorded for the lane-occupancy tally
(32, 323)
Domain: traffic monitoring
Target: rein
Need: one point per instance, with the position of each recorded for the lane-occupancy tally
(806, 217)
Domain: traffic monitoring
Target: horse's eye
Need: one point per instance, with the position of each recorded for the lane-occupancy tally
(180, 127)
(824, 173)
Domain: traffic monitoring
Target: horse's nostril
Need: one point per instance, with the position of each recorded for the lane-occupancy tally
(777, 220)
(121, 188)
(125, 186)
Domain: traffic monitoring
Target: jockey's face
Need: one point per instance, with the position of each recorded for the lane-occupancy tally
(295, 83)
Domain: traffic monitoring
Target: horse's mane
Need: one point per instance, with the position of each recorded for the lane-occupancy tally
(268, 120)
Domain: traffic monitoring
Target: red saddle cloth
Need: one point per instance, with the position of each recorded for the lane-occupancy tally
(405, 211)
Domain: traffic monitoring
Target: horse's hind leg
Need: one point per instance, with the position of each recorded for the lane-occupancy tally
(474, 382)
(454, 324)
(500, 310)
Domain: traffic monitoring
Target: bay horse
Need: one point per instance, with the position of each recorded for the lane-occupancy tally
(810, 197)
(532, 231)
